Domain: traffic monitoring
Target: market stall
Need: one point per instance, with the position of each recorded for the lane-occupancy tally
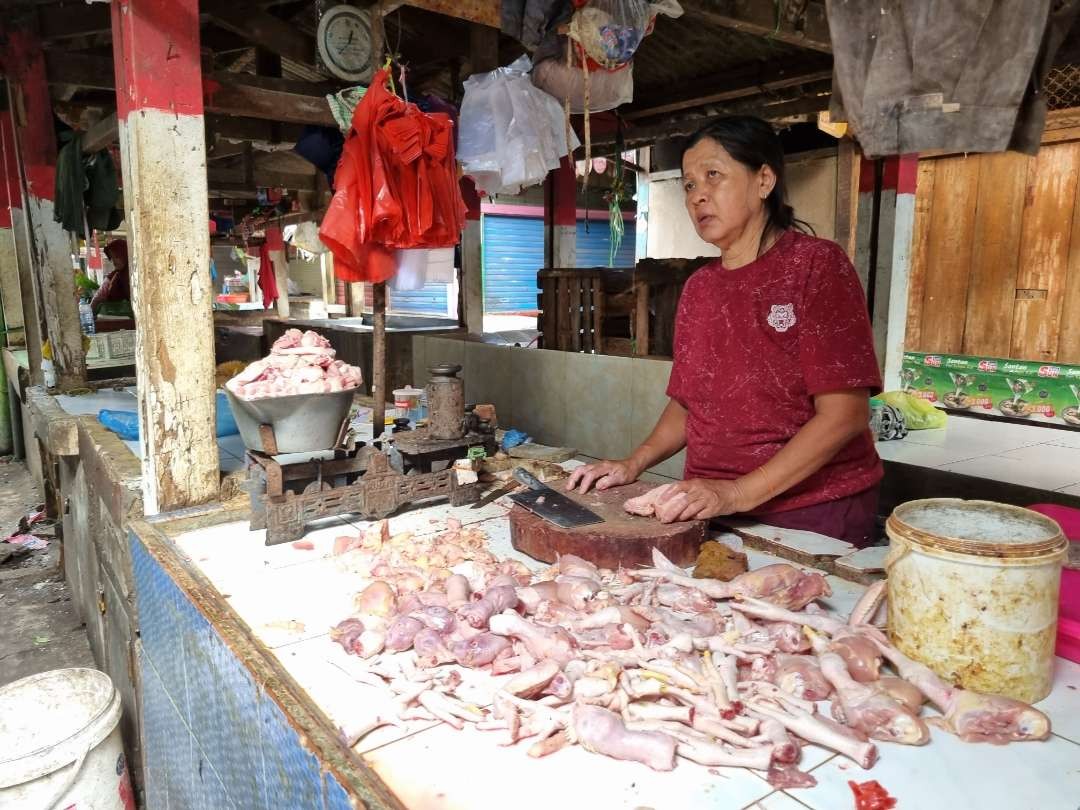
(267, 698)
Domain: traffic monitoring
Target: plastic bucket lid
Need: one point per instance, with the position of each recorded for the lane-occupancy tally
(49, 720)
(978, 528)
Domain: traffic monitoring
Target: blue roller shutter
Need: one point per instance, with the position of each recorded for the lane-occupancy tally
(428, 300)
(593, 247)
(514, 251)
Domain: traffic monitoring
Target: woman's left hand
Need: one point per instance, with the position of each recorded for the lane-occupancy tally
(700, 499)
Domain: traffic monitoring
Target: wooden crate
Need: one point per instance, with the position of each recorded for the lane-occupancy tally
(571, 304)
(621, 310)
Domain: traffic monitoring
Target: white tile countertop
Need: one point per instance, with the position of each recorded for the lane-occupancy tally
(468, 770)
(1029, 455)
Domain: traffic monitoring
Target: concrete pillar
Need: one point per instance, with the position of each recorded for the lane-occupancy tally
(907, 173)
(163, 150)
(560, 217)
(24, 64)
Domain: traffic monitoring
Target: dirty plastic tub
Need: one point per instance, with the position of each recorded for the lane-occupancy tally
(973, 593)
(60, 743)
(302, 423)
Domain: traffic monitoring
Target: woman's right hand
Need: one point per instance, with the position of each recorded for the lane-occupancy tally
(603, 474)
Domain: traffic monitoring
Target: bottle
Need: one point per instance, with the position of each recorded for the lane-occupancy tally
(86, 317)
(876, 407)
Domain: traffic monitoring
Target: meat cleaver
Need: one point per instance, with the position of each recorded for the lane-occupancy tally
(552, 506)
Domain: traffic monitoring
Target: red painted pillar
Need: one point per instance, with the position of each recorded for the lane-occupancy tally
(24, 64)
(163, 153)
(560, 216)
(10, 285)
(20, 238)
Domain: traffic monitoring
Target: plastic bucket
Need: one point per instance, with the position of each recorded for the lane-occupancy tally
(60, 744)
(973, 593)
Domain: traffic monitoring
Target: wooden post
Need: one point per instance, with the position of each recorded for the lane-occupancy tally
(895, 306)
(35, 139)
(378, 359)
(560, 217)
(163, 150)
(20, 232)
(10, 285)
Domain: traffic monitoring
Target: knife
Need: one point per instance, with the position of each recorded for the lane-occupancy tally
(544, 502)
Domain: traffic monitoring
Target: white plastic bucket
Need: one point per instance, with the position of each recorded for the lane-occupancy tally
(973, 593)
(60, 743)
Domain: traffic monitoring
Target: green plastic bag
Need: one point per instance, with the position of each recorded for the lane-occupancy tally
(918, 413)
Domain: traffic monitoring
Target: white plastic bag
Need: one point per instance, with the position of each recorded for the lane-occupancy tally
(511, 133)
(607, 89)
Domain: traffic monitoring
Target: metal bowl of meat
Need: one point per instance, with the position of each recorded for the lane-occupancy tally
(299, 390)
(301, 423)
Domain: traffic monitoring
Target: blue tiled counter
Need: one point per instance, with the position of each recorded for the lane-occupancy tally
(223, 725)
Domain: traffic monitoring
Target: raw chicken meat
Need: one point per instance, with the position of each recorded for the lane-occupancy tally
(298, 363)
(869, 708)
(602, 731)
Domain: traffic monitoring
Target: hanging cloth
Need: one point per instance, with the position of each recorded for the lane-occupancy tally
(267, 282)
(102, 193)
(70, 183)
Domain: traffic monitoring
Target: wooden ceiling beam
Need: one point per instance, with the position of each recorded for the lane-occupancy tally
(800, 23)
(74, 19)
(267, 31)
(738, 83)
(101, 135)
(228, 182)
(485, 12)
(239, 128)
(226, 93)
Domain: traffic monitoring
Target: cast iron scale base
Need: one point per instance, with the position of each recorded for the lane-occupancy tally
(286, 497)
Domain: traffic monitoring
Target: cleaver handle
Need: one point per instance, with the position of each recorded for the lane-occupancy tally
(528, 479)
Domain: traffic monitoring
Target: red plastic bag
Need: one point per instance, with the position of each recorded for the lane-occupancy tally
(396, 187)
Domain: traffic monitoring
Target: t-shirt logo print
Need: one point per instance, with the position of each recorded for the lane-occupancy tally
(782, 317)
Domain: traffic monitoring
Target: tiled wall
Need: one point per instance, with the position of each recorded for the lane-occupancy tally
(213, 738)
(601, 405)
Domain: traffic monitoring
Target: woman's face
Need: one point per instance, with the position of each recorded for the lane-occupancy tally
(722, 195)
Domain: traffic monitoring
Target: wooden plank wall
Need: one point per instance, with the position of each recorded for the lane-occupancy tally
(995, 265)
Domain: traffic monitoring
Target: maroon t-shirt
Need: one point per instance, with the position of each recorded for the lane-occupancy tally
(752, 347)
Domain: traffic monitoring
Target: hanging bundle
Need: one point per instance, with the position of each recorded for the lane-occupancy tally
(511, 133)
(396, 186)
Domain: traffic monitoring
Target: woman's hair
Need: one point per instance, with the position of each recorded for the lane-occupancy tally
(754, 143)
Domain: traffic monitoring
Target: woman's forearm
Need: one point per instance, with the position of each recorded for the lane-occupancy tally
(808, 451)
(666, 439)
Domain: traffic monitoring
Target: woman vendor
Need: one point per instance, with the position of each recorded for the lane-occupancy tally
(774, 359)
(113, 297)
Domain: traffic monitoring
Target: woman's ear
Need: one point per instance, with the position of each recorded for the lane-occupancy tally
(766, 181)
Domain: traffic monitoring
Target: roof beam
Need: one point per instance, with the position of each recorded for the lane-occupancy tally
(737, 83)
(267, 31)
(101, 135)
(231, 181)
(73, 20)
(227, 93)
(486, 12)
(802, 22)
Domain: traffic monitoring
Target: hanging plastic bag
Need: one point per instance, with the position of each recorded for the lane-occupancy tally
(395, 187)
(512, 133)
(919, 414)
(608, 89)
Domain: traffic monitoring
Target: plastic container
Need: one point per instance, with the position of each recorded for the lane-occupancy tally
(407, 402)
(973, 593)
(1068, 640)
(86, 318)
(60, 743)
(876, 406)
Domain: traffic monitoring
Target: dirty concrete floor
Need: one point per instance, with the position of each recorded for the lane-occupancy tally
(39, 629)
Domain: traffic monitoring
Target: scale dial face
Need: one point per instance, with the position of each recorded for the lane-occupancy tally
(344, 41)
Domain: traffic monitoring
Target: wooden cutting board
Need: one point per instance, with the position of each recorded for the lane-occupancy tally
(623, 539)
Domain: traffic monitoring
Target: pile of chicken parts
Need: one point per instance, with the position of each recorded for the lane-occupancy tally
(299, 363)
(645, 665)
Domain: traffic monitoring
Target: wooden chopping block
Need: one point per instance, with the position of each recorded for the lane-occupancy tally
(623, 539)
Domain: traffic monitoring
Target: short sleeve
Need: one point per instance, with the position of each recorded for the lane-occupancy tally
(676, 389)
(836, 340)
